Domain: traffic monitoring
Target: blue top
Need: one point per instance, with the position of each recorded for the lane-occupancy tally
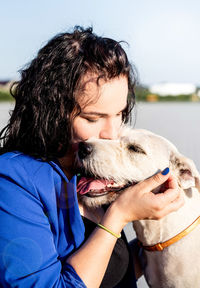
(40, 224)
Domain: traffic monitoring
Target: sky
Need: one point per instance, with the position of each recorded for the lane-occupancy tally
(163, 36)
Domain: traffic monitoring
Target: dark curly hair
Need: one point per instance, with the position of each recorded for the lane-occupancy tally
(40, 124)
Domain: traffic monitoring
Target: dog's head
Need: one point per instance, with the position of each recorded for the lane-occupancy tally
(108, 166)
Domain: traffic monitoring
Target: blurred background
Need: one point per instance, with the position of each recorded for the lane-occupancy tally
(162, 42)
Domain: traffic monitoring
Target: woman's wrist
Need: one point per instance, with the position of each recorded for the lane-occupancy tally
(109, 231)
(113, 219)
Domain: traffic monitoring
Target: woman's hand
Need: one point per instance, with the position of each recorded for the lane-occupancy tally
(136, 202)
(139, 202)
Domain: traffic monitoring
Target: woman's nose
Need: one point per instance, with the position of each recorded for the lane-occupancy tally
(109, 131)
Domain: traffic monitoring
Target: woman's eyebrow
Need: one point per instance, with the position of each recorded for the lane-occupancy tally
(94, 113)
(99, 113)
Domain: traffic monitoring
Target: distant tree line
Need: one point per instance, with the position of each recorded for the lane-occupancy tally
(5, 96)
(143, 94)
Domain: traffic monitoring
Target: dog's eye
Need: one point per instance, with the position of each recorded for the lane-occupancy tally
(136, 149)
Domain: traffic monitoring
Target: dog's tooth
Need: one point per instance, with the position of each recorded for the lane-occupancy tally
(109, 185)
(113, 184)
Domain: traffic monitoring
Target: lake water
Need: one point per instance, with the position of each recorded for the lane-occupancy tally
(178, 122)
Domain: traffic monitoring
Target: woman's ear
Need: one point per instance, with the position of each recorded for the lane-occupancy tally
(185, 171)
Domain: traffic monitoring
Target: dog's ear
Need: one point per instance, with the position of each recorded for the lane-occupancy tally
(185, 170)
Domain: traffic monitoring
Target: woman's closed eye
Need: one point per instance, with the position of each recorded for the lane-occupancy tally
(119, 114)
(91, 120)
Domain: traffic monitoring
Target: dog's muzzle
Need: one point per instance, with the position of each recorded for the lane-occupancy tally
(91, 185)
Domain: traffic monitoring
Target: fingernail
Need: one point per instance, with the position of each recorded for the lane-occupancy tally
(165, 171)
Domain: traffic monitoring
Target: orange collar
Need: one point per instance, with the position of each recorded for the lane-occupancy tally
(163, 245)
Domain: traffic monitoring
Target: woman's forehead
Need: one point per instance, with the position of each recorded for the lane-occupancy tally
(104, 95)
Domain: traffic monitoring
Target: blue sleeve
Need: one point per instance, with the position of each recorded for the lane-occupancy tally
(28, 256)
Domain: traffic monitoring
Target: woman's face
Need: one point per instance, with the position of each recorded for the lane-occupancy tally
(101, 109)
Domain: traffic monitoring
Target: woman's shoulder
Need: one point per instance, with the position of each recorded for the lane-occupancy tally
(16, 155)
(18, 160)
(17, 165)
(33, 175)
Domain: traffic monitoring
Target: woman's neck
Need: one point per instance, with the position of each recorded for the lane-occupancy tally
(67, 163)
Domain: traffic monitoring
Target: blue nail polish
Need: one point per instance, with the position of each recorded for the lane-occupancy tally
(165, 171)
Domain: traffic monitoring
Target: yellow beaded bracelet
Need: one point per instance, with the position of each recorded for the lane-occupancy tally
(109, 231)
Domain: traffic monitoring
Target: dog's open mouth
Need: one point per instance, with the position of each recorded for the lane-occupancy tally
(98, 187)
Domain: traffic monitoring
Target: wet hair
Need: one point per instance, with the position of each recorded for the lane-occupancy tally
(40, 124)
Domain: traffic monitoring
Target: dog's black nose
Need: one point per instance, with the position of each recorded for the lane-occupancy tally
(84, 149)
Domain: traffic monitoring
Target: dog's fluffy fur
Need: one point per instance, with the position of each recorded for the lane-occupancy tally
(137, 155)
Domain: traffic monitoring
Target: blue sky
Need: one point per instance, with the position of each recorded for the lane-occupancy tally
(163, 36)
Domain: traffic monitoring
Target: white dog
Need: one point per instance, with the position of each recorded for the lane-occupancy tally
(111, 165)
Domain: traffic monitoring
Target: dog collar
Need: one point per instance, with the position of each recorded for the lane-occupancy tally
(163, 245)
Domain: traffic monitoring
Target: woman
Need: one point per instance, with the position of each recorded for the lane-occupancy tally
(79, 86)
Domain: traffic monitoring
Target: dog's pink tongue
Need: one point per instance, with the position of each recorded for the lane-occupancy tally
(86, 184)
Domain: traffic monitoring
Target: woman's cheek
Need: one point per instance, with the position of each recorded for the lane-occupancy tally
(83, 130)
